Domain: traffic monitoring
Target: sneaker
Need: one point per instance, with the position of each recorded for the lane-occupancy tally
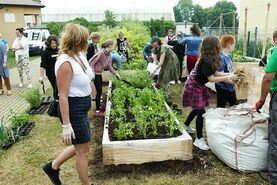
(100, 113)
(201, 143)
(20, 85)
(190, 130)
(172, 82)
(30, 86)
(179, 82)
(52, 174)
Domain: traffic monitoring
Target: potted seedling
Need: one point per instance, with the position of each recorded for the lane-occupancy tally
(33, 97)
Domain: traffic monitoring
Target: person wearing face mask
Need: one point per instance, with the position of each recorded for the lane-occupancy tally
(98, 63)
(48, 61)
(21, 48)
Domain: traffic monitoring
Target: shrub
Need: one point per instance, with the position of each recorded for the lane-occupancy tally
(18, 119)
(4, 132)
(33, 97)
(137, 34)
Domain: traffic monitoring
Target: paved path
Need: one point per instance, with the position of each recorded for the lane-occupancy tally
(16, 101)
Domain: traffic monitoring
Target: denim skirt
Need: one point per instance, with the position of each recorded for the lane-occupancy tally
(78, 113)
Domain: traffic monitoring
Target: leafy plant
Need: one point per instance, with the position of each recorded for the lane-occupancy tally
(18, 119)
(33, 97)
(139, 109)
(4, 132)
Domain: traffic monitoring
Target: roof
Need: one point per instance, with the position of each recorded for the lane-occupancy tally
(22, 3)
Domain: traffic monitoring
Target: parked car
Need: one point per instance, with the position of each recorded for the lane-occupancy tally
(36, 39)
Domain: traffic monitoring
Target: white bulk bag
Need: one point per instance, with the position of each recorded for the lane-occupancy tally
(238, 137)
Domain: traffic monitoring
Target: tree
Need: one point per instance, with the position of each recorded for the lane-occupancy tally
(110, 19)
(183, 11)
(223, 7)
(80, 20)
(199, 16)
(54, 28)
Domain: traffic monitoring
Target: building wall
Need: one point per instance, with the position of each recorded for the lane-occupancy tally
(8, 28)
(256, 17)
(95, 17)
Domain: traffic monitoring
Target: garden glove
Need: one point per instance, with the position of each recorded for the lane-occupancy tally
(233, 77)
(68, 134)
(259, 105)
(118, 77)
(41, 80)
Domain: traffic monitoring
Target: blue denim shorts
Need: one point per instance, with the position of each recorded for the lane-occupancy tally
(78, 113)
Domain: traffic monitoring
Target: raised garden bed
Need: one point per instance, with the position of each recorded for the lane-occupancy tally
(137, 150)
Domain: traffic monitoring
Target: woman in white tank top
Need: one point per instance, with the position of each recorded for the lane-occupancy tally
(73, 75)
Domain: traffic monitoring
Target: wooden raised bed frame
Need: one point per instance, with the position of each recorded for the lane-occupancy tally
(143, 150)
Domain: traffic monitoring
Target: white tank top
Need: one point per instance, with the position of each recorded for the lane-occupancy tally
(80, 84)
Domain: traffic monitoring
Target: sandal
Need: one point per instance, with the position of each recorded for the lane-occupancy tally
(9, 92)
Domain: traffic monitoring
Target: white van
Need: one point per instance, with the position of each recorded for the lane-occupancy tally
(36, 38)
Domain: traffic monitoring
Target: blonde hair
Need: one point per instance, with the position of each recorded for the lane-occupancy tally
(74, 39)
(95, 35)
(108, 43)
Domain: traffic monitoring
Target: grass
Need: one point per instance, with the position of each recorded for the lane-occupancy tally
(11, 60)
(21, 164)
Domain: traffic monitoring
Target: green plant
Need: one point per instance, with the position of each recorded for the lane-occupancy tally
(18, 119)
(33, 97)
(140, 105)
(124, 131)
(4, 132)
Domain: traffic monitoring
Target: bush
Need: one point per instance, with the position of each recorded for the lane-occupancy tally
(4, 132)
(135, 31)
(33, 97)
(18, 119)
(55, 28)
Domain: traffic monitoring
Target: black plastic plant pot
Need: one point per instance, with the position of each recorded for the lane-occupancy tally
(26, 129)
(8, 144)
(45, 100)
(39, 110)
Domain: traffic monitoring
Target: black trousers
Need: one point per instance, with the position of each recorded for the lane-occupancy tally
(199, 121)
(52, 80)
(224, 96)
(98, 82)
(180, 68)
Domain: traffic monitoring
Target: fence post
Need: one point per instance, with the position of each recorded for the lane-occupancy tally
(255, 41)
(234, 23)
(245, 30)
(220, 24)
(248, 43)
(265, 30)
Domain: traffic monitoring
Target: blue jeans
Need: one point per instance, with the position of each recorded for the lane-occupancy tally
(116, 59)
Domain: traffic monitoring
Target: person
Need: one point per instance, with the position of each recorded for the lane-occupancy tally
(5, 42)
(195, 94)
(116, 59)
(170, 38)
(269, 84)
(147, 54)
(167, 63)
(21, 48)
(73, 75)
(48, 61)
(122, 47)
(98, 63)
(4, 69)
(192, 47)
(226, 91)
(179, 50)
(93, 47)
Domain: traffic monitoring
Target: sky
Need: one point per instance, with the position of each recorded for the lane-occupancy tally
(96, 6)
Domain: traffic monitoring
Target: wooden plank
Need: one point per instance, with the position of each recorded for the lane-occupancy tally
(144, 150)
